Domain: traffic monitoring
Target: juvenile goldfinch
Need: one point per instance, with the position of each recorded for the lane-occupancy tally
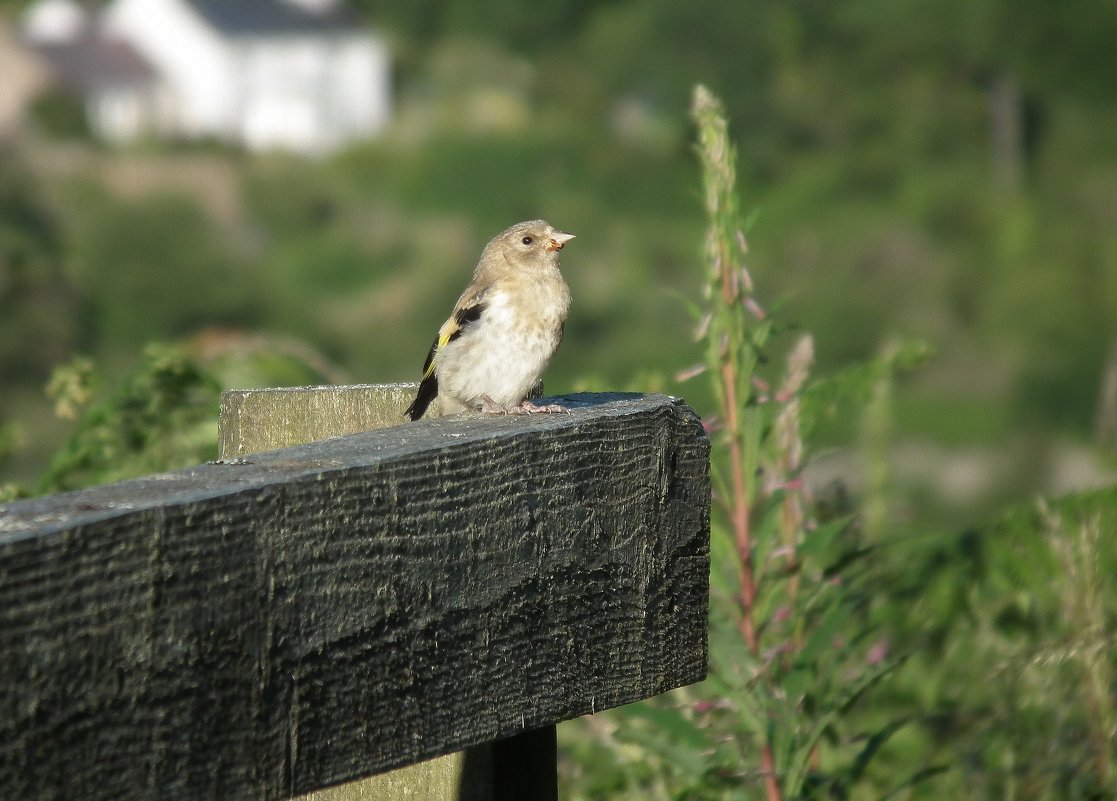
(504, 329)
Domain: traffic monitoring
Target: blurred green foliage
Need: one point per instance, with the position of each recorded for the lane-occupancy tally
(160, 418)
(61, 115)
(892, 200)
(39, 310)
(153, 269)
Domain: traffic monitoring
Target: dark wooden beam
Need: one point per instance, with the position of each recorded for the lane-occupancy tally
(263, 628)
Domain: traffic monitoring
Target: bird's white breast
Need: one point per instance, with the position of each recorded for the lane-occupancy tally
(503, 353)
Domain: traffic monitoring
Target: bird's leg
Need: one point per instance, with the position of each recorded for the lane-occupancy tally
(490, 406)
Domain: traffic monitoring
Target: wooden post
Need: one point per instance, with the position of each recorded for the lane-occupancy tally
(523, 766)
(275, 624)
(255, 420)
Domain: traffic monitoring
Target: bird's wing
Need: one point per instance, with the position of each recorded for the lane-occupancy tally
(453, 328)
(468, 310)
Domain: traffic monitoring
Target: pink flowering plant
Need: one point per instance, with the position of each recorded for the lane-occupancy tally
(793, 646)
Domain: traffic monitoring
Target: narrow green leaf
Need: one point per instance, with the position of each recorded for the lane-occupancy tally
(872, 746)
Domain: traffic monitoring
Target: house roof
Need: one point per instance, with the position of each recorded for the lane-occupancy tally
(270, 17)
(91, 63)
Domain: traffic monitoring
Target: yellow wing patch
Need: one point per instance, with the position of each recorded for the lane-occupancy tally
(451, 330)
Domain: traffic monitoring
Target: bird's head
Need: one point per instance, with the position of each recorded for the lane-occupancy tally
(530, 244)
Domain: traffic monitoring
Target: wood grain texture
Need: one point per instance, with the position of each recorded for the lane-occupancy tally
(262, 629)
(453, 776)
(254, 420)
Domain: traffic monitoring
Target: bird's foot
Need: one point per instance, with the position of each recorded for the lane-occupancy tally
(489, 406)
(527, 407)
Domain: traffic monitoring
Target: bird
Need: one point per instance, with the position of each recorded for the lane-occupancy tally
(504, 329)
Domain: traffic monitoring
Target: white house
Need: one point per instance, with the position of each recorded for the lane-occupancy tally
(299, 75)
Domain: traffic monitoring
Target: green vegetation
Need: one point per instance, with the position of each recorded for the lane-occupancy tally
(160, 418)
(916, 171)
(848, 660)
(920, 327)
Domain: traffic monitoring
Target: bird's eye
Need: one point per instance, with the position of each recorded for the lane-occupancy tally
(527, 240)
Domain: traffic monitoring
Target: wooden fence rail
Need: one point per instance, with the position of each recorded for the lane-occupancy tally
(269, 626)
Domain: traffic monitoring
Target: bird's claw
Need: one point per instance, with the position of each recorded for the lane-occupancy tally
(527, 407)
(489, 406)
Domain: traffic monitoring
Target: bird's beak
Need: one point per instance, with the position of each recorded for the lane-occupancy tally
(558, 239)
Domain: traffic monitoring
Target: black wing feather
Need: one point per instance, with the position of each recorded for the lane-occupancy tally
(465, 316)
(428, 387)
(428, 390)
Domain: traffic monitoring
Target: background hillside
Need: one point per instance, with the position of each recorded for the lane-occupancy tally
(933, 178)
(945, 172)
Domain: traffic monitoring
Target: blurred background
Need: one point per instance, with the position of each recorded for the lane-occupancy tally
(308, 184)
(197, 195)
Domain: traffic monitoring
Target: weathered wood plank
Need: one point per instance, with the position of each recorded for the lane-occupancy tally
(253, 420)
(462, 776)
(267, 628)
(262, 420)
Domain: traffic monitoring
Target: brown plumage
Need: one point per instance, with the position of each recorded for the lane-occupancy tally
(504, 329)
